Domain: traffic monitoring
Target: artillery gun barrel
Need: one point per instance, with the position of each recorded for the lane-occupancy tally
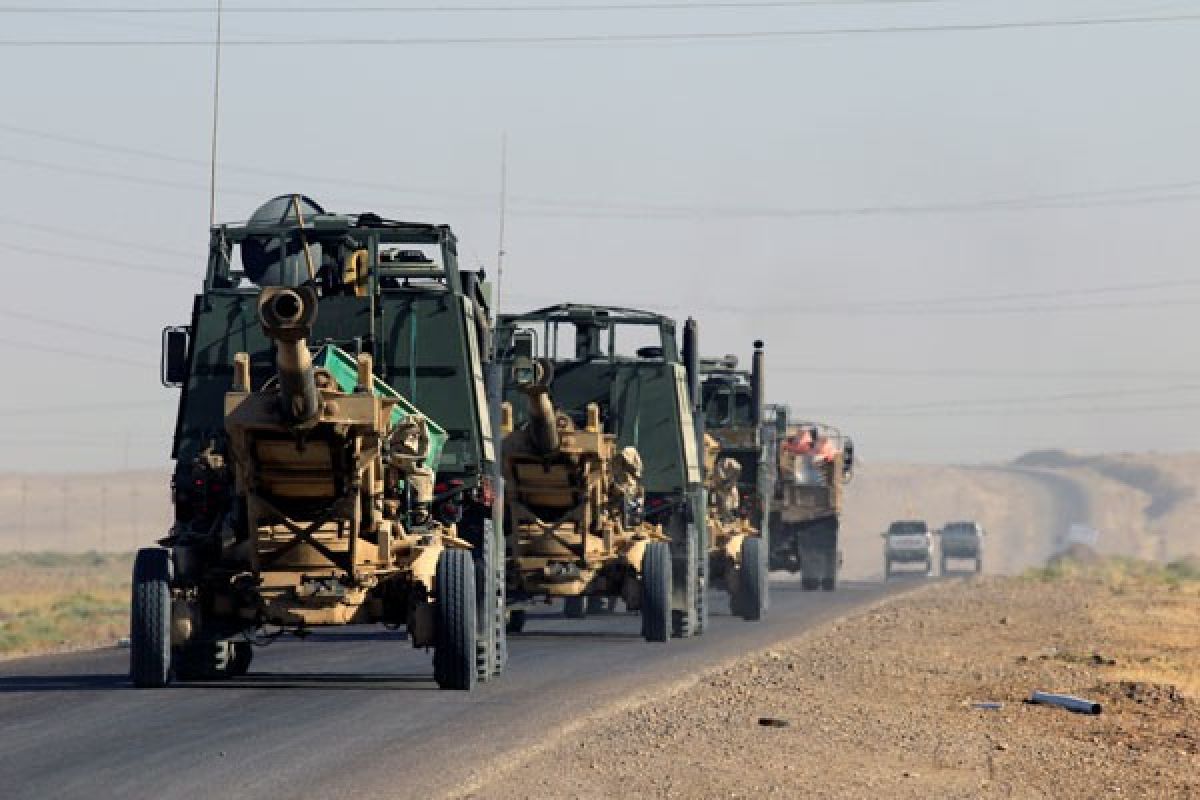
(533, 378)
(543, 421)
(287, 316)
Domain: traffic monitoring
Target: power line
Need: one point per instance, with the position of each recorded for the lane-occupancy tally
(1028, 399)
(543, 207)
(694, 37)
(1022, 412)
(73, 326)
(976, 372)
(100, 358)
(523, 8)
(92, 237)
(97, 260)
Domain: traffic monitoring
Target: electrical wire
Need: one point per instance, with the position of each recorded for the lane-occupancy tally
(680, 37)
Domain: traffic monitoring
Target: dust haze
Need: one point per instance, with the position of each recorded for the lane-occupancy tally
(959, 246)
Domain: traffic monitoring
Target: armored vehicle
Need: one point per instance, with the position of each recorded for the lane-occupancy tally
(739, 474)
(333, 450)
(961, 541)
(627, 364)
(908, 542)
(815, 462)
(574, 504)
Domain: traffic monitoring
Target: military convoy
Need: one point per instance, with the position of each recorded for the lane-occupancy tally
(335, 461)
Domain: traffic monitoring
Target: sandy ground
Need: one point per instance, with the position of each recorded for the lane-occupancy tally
(881, 705)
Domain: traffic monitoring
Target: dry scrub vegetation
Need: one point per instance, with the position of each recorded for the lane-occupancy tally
(60, 601)
(883, 704)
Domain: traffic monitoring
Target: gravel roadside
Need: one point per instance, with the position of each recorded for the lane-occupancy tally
(883, 705)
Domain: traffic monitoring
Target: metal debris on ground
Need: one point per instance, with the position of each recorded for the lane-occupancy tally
(1076, 704)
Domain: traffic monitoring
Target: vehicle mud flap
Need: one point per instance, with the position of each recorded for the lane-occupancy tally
(491, 644)
(686, 575)
(784, 547)
(703, 577)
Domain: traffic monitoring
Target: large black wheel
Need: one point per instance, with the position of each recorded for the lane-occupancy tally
(751, 600)
(575, 607)
(150, 619)
(516, 621)
(454, 654)
(887, 570)
(656, 592)
(979, 565)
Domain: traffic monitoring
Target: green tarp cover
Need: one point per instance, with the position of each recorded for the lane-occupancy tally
(345, 371)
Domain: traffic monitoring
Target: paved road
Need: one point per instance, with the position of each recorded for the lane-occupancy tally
(346, 713)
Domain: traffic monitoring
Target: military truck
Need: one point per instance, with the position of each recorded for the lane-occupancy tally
(629, 365)
(739, 475)
(908, 542)
(961, 541)
(815, 461)
(333, 450)
(575, 504)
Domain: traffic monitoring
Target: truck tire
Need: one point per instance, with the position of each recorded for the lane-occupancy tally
(150, 619)
(942, 565)
(929, 567)
(656, 592)
(516, 621)
(887, 570)
(575, 607)
(751, 599)
(454, 656)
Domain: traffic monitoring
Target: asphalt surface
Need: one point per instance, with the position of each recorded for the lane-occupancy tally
(351, 711)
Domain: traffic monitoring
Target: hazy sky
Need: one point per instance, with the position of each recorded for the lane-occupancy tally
(847, 197)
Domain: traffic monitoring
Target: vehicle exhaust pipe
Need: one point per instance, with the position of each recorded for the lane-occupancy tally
(758, 377)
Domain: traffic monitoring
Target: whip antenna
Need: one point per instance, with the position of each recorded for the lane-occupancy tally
(503, 210)
(212, 175)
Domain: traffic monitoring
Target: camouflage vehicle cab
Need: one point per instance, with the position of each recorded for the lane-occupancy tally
(739, 477)
(350, 484)
(815, 461)
(627, 364)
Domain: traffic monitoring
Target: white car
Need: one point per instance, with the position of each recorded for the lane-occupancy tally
(908, 542)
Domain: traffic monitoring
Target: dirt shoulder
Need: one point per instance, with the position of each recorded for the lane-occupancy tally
(881, 704)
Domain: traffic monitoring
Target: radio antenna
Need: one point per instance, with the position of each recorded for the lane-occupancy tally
(503, 211)
(216, 107)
